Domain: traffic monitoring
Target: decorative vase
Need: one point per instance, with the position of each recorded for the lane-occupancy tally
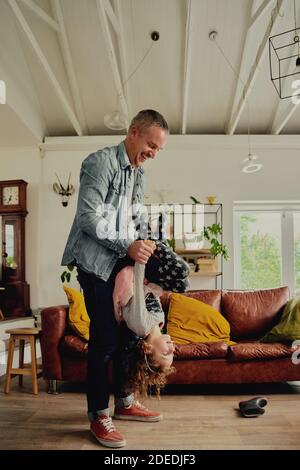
(193, 241)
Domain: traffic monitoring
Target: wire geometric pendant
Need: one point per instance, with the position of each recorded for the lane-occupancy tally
(284, 57)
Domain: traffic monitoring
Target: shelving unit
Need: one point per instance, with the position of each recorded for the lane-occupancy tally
(176, 219)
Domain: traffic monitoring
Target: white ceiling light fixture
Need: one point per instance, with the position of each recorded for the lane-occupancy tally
(252, 163)
(117, 120)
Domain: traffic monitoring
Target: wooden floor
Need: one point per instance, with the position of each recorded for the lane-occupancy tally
(194, 418)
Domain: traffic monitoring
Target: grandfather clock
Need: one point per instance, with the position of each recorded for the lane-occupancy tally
(14, 299)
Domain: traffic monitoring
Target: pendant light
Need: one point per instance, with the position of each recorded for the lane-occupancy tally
(252, 163)
(117, 120)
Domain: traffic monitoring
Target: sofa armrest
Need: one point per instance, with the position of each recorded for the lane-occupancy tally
(54, 323)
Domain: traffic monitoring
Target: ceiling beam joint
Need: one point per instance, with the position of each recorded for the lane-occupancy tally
(41, 14)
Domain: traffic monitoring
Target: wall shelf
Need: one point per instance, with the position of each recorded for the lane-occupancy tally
(205, 274)
(172, 221)
(183, 252)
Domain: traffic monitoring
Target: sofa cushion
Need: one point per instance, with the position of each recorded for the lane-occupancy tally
(193, 321)
(78, 316)
(252, 313)
(288, 328)
(210, 297)
(200, 350)
(74, 346)
(255, 350)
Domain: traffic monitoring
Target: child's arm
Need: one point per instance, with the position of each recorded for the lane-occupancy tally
(123, 290)
(135, 313)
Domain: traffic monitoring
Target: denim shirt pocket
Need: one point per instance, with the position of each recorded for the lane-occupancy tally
(114, 191)
(118, 184)
(138, 193)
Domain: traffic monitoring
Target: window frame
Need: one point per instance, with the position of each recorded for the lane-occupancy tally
(286, 209)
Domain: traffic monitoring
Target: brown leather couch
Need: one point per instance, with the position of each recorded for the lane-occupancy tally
(250, 314)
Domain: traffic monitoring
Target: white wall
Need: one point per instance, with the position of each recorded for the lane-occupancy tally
(25, 164)
(189, 165)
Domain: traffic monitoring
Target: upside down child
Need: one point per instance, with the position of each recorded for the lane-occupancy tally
(137, 302)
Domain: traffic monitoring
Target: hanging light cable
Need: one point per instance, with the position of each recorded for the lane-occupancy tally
(251, 164)
(117, 120)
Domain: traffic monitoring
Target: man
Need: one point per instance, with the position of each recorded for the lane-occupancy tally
(100, 244)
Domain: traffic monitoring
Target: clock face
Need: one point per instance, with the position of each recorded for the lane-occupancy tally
(10, 196)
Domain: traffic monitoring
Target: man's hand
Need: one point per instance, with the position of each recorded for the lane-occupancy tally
(141, 250)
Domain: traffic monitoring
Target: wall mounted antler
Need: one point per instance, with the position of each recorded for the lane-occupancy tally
(65, 193)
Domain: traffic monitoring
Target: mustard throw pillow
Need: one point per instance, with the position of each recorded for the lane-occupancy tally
(193, 321)
(78, 316)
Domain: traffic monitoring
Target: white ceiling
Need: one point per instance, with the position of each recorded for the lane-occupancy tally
(62, 67)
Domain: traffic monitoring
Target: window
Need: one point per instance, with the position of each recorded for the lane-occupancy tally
(267, 245)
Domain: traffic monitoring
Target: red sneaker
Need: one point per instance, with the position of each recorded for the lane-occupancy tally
(137, 412)
(105, 432)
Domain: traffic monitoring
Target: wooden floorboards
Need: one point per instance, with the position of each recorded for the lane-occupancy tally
(195, 418)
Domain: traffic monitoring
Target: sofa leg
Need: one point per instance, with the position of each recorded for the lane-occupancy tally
(52, 389)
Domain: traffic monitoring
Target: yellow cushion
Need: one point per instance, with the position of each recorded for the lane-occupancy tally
(78, 316)
(193, 321)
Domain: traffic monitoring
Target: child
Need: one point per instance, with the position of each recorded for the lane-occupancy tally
(138, 304)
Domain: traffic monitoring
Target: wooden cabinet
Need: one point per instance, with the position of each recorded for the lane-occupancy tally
(14, 299)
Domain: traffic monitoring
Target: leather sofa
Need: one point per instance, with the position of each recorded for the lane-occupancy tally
(250, 314)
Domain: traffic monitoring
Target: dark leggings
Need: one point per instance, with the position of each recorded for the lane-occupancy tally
(167, 269)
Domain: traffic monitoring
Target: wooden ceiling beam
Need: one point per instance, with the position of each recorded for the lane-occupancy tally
(41, 14)
(241, 98)
(101, 7)
(189, 30)
(69, 66)
(45, 64)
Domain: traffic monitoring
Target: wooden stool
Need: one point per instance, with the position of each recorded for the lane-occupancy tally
(22, 334)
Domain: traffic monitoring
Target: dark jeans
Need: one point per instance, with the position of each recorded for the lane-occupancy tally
(105, 342)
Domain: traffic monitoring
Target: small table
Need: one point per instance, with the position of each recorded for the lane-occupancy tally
(22, 334)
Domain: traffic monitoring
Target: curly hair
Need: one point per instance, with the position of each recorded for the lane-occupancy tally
(146, 374)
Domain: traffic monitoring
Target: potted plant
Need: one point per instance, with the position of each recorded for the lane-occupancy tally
(211, 233)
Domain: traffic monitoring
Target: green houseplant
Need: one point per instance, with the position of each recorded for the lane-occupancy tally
(211, 233)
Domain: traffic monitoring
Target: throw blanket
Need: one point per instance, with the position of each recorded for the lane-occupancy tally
(288, 328)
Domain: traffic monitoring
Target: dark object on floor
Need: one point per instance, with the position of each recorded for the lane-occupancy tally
(253, 407)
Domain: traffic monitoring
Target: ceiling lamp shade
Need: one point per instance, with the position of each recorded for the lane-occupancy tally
(251, 164)
(116, 120)
(284, 58)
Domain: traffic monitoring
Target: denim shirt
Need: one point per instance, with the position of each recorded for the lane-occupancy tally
(98, 236)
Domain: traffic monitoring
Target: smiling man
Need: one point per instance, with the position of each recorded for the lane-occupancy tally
(144, 139)
(100, 247)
